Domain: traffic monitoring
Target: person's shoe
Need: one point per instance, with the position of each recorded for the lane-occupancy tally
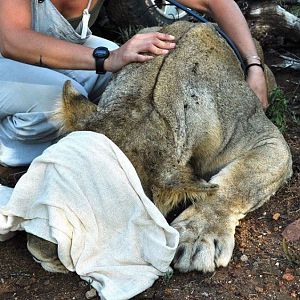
(9, 176)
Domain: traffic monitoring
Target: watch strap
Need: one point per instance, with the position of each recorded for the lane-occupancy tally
(100, 65)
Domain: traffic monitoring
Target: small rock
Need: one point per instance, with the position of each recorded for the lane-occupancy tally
(244, 258)
(46, 282)
(2, 280)
(288, 270)
(168, 292)
(288, 277)
(276, 216)
(292, 232)
(259, 289)
(293, 294)
(92, 293)
(205, 294)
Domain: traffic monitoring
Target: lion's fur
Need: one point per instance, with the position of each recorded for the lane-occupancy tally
(171, 111)
(192, 128)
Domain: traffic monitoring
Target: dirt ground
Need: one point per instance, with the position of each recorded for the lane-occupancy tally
(259, 268)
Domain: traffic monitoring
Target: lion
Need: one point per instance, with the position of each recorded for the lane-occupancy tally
(194, 130)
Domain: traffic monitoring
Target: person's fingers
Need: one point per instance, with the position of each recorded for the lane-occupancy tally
(159, 35)
(145, 46)
(162, 40)
(157, 51)
(164, 36)
(164, 45)
(139, 49)
(143, 58)
(136, 57)
(154, 46)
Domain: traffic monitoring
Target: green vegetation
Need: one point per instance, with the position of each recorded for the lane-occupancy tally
(277, 110)
(126, 33)
(167, 276)
(295, 10)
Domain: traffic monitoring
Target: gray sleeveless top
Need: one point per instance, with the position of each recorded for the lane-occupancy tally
(48, 20)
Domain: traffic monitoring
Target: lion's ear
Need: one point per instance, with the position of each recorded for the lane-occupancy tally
(73, 109)
(69, 92)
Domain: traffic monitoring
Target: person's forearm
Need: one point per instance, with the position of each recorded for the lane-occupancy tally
(231, 20)
(38, 49)
(229, 17)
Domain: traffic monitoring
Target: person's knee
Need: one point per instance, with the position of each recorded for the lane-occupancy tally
(95, 41)
(49, 96)
(112, 46)
(36, 96)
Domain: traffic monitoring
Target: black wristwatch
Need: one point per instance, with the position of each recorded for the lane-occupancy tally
(100, 54)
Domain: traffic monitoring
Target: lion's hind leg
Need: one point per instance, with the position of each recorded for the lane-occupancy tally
(207, 228)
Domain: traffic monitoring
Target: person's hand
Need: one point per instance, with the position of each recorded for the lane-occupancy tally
(257, 82)
(140, 48)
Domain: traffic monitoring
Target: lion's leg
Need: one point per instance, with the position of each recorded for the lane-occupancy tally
(45, 253)
(174, 184)
(207, 228)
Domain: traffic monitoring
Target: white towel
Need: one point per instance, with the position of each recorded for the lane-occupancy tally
(84, 195)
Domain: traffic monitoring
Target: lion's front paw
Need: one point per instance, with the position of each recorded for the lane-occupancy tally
(205, 243)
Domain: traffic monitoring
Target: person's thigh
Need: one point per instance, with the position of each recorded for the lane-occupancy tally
(26, 88)
(28, 96)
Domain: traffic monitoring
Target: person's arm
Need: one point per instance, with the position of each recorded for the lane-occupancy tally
(229, 17)
(19, 42)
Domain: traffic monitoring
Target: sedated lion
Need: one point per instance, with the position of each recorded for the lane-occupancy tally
(193, 129)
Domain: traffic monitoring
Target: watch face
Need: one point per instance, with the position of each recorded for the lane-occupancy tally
(101, 52)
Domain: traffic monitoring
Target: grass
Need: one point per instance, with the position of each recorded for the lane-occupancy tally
(277, 110)
(126, 33)
(295, 10)
(168, 276)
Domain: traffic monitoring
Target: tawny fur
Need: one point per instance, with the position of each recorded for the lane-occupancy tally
(145, 107)
(192, 128)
